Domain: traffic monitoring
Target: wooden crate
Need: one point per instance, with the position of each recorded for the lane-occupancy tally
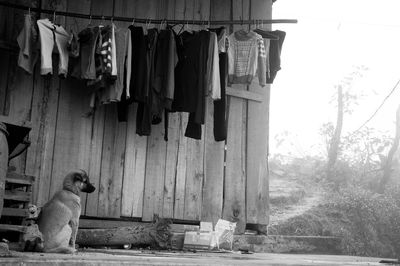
(17, 196)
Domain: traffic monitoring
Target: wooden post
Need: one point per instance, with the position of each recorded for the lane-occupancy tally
(3, 162)
(257, 186)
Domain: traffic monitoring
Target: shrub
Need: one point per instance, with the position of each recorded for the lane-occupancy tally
(368, 223)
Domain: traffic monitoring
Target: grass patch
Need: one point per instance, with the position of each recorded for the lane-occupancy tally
(368, 223)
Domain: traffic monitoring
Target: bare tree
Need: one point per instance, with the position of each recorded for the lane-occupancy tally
(387, 169)
(345, 101)
(335, 141)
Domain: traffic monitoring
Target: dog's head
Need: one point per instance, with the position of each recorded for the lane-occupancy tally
(78, 181)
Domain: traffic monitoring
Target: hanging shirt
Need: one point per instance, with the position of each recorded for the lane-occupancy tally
(246, 58)
(138, 89)
(144, 109)
(276, 39)
(191, 83)
(113, 92)
(27, 42)
(164, 72)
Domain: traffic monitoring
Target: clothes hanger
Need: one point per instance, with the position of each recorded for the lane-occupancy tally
(101, 22)
(147, 25)
(188, 29)
(90, 21)
(264, 33)
(242, 30)
(160, 25)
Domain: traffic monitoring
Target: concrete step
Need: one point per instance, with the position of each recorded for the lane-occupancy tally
(288, 244)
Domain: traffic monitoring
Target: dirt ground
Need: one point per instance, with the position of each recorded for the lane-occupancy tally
(133, 257)
(291, 198)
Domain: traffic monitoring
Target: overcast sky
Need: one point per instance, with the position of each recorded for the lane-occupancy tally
(331, 38)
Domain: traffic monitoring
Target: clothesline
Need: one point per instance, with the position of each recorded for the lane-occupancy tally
(147, 20)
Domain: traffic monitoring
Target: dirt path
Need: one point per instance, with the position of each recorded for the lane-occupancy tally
(290, 198)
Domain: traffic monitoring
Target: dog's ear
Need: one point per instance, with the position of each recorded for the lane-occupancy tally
(78, 177)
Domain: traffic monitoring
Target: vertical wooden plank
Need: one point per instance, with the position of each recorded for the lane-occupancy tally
(214, 151)
(20, 84)
(73, 132)
(155, 173)
(180, 9)
(96, 148)
(136, 146)
(171, 165)
(189, 9)
(257, 201)
(165, 8)
(194, 153)
(235, 175)
(156, 152)
(113, 148)
(194, 178)
(44, 116)
(134, 169)
(4, 57)
(86, 121)
(102, 8)
(235, 179)
(113, 156)
(201, 10)
(96, 167)
(124, 8)
(180, 182)
(6, 27)
(7, 22)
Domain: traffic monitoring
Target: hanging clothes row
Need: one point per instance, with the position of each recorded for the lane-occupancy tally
(160, 70)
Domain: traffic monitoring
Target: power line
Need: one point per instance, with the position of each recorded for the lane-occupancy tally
(379, 107)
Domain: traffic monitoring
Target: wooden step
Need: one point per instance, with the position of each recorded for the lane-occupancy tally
(12, 227)
(17, 196)
(15, 178)
(15, 212)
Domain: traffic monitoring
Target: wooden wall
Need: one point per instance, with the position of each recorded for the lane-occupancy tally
(137, 176)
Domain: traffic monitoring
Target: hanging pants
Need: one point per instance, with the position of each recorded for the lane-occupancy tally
(50, 34)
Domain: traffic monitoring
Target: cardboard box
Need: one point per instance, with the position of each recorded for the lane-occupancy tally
(197, 240)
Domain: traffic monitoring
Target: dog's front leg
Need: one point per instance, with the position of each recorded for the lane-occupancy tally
(74, 227)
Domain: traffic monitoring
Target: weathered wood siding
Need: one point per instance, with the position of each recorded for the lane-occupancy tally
(137, 176)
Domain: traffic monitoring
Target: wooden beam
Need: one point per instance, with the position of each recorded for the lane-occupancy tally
(15, 121)
(11, 227)
(17, 195)
(257, 186)
(16, 212)
(150, 234)
(85, 223)
(16, 178)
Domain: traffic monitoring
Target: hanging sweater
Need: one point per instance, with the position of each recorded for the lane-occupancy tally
(246, 58)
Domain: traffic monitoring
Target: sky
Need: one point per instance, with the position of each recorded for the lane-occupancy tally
(330, 39)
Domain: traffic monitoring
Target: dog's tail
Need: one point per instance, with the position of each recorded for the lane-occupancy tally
(65, 250)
